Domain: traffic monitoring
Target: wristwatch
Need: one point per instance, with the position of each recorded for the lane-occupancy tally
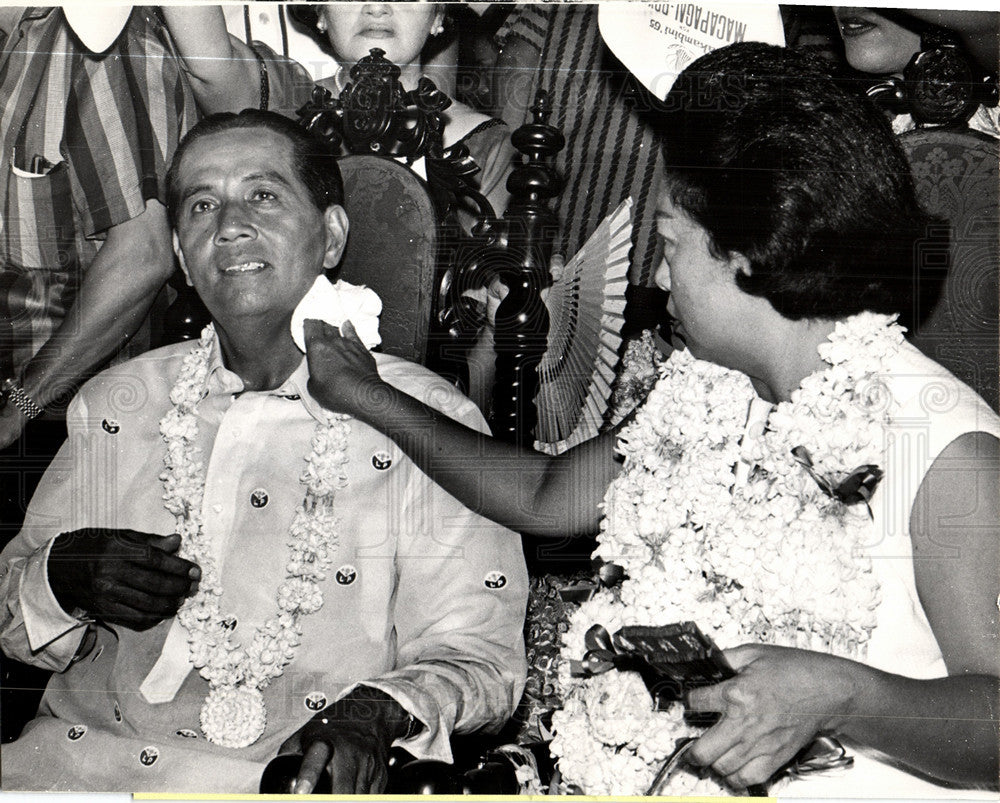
(12, 392)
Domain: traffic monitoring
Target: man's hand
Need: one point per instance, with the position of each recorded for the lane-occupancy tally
(12, 423)
(351, 738)
(121, 577)
(777, 704)
(342, 372)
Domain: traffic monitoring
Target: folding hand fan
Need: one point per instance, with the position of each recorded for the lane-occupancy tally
(586, 309)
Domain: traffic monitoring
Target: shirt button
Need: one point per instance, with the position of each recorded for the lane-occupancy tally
(258, 498)
(76, 733)
(264, 19)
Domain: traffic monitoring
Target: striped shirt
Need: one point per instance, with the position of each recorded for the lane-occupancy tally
(610, 152)
(85, 142)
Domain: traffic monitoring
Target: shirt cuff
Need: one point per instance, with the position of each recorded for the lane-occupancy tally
(46, 624)
(433, 740)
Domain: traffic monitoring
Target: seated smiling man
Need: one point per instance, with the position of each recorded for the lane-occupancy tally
(217, 569)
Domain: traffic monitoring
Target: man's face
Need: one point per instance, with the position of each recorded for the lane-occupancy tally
(248, 235)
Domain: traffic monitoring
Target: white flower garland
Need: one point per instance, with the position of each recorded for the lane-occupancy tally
(639, 369)
(769, 558)
(233, 714)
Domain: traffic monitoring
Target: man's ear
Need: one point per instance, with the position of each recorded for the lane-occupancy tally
(180, 259)
(335, 221)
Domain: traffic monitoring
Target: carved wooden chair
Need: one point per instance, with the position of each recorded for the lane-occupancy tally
(392, 248)
(956, 171)
(957, 178)
(428, 316)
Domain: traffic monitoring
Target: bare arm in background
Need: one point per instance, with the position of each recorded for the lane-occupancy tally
(224, 71)
(115, 295)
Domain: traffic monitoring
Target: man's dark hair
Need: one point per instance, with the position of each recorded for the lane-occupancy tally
(802, 177)
(314, 161)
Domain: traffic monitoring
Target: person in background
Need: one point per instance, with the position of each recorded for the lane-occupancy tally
(610, 151)
(278, 27)
(227, 74)
(85, 142)
(883, 41)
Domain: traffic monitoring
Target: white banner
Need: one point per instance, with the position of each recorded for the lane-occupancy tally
(656, 41)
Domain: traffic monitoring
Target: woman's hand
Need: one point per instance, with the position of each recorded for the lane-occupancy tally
(777, 704)
(342, 372)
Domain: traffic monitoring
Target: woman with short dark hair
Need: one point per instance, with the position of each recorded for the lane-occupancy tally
(801, 482)
(781, 166)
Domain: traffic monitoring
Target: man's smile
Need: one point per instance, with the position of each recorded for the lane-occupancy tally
(244, 267)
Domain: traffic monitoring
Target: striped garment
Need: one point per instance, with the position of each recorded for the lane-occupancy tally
(610, 153)
(85, 141)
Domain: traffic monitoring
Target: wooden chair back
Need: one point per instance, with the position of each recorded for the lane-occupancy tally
(392, 248)
(957, 176)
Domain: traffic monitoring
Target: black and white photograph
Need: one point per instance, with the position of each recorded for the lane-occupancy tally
(502, 399)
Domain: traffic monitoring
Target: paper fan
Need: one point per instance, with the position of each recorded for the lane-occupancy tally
(586, 310)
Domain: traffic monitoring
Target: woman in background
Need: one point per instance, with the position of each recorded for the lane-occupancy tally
(884, 41)
(228, 75)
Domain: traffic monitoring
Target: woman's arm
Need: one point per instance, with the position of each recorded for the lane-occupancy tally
(945, 727)
(526, 491)
(224, 71)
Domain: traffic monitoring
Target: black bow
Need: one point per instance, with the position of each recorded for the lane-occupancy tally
(602, 654)
(856, 487)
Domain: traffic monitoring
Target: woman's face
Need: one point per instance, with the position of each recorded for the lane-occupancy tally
(708, 308)
(873, 44)
(400, 29)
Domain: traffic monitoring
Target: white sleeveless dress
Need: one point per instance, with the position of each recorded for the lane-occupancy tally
(930, 408)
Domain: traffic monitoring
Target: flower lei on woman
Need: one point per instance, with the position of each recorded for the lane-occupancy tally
(640, 368)
(769, 555)
(233, 714)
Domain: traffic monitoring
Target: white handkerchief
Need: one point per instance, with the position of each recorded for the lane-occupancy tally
(336, 303)
(171, 668)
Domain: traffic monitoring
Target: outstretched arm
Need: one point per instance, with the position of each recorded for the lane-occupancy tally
(944, 727)
(526, 491)
(224, 71)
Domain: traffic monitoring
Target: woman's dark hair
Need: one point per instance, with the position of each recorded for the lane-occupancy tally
(803, 178)
(314, 162)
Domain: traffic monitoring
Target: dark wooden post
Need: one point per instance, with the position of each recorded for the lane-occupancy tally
(522, 321)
